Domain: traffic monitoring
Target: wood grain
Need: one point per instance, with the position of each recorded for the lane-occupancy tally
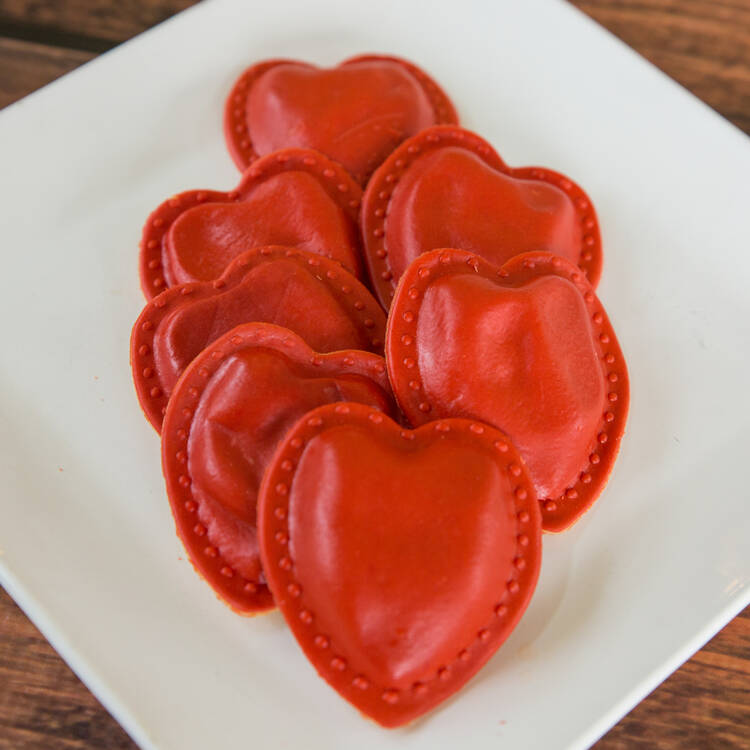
(703, 44)
(43, 705)
(26, 66)
(704, 705)
(90, 22)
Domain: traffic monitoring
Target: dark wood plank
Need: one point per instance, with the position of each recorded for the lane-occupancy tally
(25, 67)
(704, 705)
(101, 21)
(702, 44)
(43, 705)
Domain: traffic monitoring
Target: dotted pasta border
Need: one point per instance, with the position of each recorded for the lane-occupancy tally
(237, 136)
(379, 192)
(355, 299)
(242, 595)
(154, 270)
(403, 363)
(442, 107)
(235, 123)
(334, 665)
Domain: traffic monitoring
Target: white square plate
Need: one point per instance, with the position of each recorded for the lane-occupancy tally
(86, 538)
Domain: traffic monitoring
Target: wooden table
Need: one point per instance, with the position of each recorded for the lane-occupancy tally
(705, 45)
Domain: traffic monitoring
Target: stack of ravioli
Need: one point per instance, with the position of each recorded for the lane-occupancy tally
(380, 372)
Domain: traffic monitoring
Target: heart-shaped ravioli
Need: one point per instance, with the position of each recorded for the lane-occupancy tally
(447, 187)
(311, 295)
(228, 411)
(356, 113)
(400, 559)
(527, 348)
(294, 197)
